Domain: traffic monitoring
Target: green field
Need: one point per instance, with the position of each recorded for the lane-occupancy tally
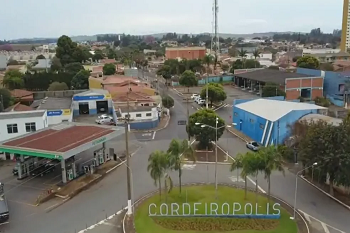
(206, 194)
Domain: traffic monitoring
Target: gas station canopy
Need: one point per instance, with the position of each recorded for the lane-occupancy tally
(61, 141)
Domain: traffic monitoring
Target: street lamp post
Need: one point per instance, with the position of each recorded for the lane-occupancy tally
(296, 188)
(216, 128)
(132, 188)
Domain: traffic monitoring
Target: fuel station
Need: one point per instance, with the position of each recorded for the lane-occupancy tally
(61, 143)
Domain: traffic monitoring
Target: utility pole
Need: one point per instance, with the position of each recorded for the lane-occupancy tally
(127, 120)
(188, 121)
(216, 31)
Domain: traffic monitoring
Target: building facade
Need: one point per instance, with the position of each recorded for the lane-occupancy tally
(188, 53)
(268, 121)
(311, 87)
(141, 117)
(92, 102)
(345, 36)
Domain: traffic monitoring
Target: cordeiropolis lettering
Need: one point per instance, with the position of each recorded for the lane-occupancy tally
(214, 209)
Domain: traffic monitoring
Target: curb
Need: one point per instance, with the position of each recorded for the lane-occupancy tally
(220, 184)
(327, 194)
(151, 131)
(200, 162)
(238, 136)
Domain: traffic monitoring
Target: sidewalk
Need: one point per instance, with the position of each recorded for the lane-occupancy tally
(164, 121)
(239, 134)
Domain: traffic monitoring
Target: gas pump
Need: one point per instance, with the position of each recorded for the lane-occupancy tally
(101, 159)
(70, 174)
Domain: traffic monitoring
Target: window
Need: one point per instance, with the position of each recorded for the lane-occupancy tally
(138, 115)
(12, 128)
(148, 114)
(261, 126)
(251, 120)
(235, 114)
(30, 127)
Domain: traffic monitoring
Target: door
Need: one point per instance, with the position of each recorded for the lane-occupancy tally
(102, 106)
(240, 125)
(83, 108)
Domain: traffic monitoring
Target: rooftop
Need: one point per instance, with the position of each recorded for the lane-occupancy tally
(136, 108)
(19, 93)
(132, 96)
(184, 48)
(124, 89)
(317, 117)
(94, 92)
(340, 54)
(18, 107)
(273, 110)
(21, 114)
(50, 103)
(59, 138)
(269, 75)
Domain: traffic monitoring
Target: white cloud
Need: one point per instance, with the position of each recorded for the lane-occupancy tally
(252, 21)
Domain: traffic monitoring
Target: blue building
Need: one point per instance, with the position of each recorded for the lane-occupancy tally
(92, 102)
(268, 121)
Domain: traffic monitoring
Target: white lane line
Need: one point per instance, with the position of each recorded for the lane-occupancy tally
(154, 135)
(325, 228)
(250, 179)
(309, 217)
(109, 224)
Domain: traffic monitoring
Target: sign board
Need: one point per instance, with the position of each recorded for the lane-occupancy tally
(59, 112)
(98, 141)
(88, 97)
(181, 122)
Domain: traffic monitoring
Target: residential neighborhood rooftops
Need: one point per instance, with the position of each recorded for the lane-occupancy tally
(21, 114)
(318, 117)
(18, 107)
(19, 93)
(269, 75)
(184, 48)
(50, 103)
(340, 54)
(273, 110)
(93, 91)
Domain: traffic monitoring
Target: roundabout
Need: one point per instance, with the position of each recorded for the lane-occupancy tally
(200, 208)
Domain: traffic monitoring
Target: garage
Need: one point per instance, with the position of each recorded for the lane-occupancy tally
(102, 106)
(83, 108)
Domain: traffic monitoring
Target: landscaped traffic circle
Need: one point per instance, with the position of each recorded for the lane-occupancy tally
(202, 209)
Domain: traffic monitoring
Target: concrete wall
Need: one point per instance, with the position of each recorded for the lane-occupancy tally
(58, 94)
(58, 116)
(211, 79)
(95, 83)
(143, 115)
(143, 125)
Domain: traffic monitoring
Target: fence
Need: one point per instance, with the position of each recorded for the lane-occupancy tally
(58, 94)
(211, 79)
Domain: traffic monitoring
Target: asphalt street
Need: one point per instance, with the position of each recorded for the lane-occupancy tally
(109, 195)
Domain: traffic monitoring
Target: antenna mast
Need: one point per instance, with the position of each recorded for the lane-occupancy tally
(216, 28)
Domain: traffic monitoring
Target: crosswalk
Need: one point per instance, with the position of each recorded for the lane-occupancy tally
(236, 179)
(228, 106)
(319, 226)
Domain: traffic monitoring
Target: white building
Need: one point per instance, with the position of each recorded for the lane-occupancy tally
(3, 62)
(141, 117)
(92, 102)
(14, 124)
(319, 51)
(58, 109)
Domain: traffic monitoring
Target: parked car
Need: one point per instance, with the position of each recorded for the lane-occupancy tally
(253, 146)
(43, 169)
(104, 119)
(194, 96)
(201, 102)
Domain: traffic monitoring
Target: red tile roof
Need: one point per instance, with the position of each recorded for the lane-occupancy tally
(19, 93)
(19, 107)
(108, 61)
(133, 96)
(60, 140)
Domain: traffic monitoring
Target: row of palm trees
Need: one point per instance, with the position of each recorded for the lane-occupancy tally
(160, 163)
(266, 160)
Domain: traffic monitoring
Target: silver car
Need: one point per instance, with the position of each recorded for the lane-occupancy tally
(253, 146)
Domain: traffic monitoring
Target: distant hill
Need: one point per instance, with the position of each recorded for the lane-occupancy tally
(156, 35)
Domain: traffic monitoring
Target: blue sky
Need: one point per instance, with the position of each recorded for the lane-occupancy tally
(52, 18)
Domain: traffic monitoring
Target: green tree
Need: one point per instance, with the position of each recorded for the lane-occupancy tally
(205, 134)
(109, 69)
(5, 96)
(80, 81)
(177, 150)
(308, 62)
(188, 79)
(57, 86)
(250, 63)
(225, 67)
(167, 101)
(55, 64)
(272, 89)
(157, 165)
(208, 60)
(111, 54)
(73, 68)
(216, 93)
(256, 54)
(98, 55)
(165, 72)
(271, 160)
(13, 79)
(40, 57)
(65, 49)
(243, 54)
(236, 165)
(81, 54)
(236, 65)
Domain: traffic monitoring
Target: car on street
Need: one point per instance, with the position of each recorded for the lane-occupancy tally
(104, 120)
(201, 102)
(253, 146)
(43, 169)
(194, 96)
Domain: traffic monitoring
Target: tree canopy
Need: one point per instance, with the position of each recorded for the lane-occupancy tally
(57, 86)
(5, 95)
(167, 101)
(205, 134)
(216, 93)
(109, 69)
(272, 89)
(13, 79)
(188, 79)
(308, 62)
(81, 80)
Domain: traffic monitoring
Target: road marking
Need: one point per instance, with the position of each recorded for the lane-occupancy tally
(235, 179)
(325, 227)
(146, 134)
(154, 135)
(250, 179)
(188, 166)
(22, 203)
(109, 224)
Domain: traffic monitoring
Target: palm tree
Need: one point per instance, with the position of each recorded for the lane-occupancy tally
(157, 165)
(271, 161)
(177, 150)
(255, 164)
(243, 54)
(256, 54)
(237, 164)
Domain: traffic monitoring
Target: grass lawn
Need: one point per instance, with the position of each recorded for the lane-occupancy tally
(206, 194)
